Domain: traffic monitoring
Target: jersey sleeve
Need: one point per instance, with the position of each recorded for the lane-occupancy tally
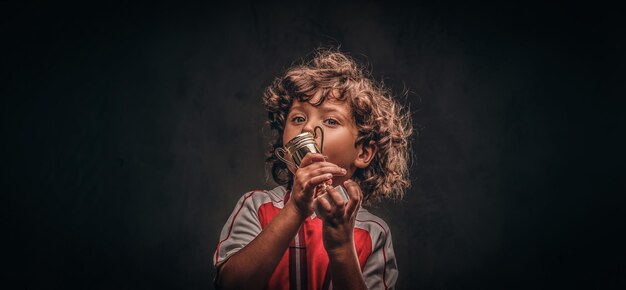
(240, 229)
(381, 270)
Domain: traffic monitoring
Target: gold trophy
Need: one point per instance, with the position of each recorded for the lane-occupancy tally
(300, 146)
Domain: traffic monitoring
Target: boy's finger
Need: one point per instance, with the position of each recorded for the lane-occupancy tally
(318, 164)
(335, 170)
(322, 205)
(353, 189)
(315, 181)
(336, 197)
(354, 192)
(310, 158)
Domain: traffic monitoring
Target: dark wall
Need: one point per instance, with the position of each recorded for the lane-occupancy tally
(130, 132)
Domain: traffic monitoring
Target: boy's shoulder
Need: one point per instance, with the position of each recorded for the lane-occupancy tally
(260, 196)
(373, 224)
(277, 194)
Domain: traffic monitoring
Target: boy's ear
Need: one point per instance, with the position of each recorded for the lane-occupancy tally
(366, 153)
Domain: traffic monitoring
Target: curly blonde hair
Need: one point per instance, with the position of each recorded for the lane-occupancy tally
(378, 116)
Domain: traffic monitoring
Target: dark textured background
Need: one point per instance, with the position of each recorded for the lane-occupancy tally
(129, 132)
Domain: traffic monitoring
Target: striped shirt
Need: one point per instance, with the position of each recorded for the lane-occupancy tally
(304, 264)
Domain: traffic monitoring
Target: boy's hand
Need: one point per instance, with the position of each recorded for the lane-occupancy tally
(338, 217)
(313, 171)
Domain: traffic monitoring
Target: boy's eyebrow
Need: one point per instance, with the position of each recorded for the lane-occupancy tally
(296, 107)
(324, 108)
(332, 109)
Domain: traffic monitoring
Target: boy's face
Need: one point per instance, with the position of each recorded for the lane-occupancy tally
(340, 131)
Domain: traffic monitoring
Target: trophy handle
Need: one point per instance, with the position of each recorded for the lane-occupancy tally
(282, 158)
(315, 136)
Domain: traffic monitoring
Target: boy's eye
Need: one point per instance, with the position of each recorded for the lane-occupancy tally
(297, 119)
(332, 122)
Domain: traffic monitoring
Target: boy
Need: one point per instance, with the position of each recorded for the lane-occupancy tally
(273, 239)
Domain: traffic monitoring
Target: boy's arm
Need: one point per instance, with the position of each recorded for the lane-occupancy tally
(338, 235)
(252, 266)
(345, 270)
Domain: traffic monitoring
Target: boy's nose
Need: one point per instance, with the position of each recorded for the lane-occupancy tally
(309, 127)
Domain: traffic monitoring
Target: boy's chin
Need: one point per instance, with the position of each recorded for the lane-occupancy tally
(338, 180)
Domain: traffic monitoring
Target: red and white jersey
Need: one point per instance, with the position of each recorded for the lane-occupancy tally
(305, 263)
